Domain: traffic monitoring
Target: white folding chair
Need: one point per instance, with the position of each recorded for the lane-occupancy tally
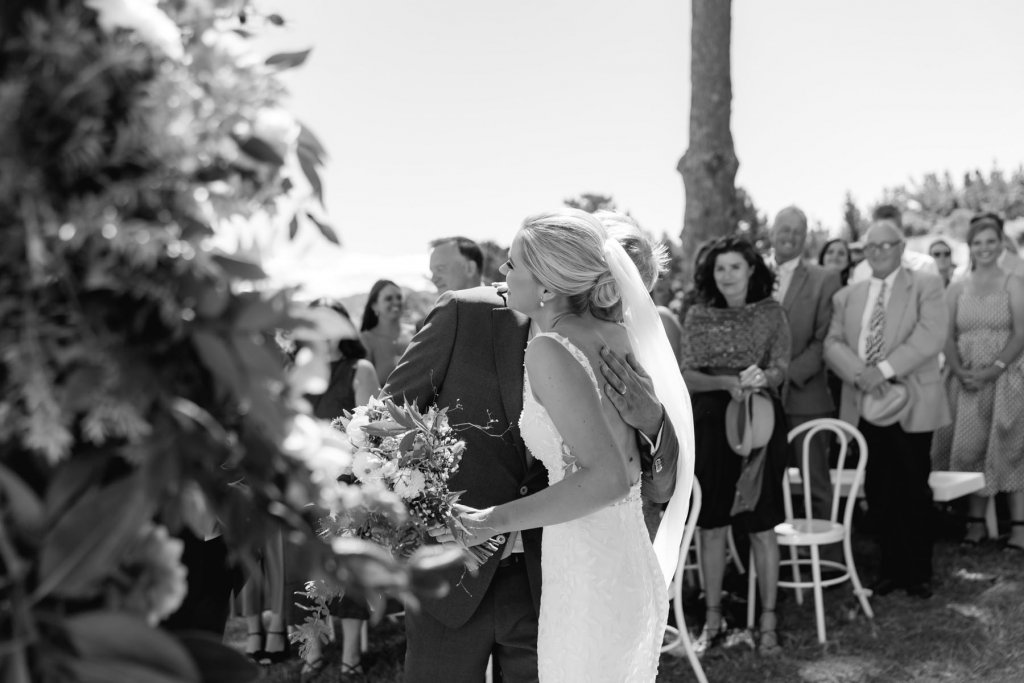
(809, 532)
(678, 634)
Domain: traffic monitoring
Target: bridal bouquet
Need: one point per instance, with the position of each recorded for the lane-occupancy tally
(410, 455)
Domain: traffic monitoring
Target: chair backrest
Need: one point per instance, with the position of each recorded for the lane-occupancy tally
(689, 530)
(845, 434)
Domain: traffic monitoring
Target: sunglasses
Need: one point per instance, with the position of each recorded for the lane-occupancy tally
(941, 254)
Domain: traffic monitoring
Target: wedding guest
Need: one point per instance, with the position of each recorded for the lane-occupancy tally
(353, 381)
(986, 381)
(943, 255)
(264, 591)
(455, 263)
(912, 260)
(835, 255)
(1008, 260)
(892, 327)
(736, 340)
(382, 331)
(805, 292)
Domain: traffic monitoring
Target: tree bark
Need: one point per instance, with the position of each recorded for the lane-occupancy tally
(709, 165)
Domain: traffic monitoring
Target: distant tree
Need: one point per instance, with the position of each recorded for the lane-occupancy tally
(932, 200)
(591, 202)
(494, 256)
(853, 222)
(750, 222)
(709, 165)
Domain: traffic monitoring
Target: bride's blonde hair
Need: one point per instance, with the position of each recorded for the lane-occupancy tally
(564, 250)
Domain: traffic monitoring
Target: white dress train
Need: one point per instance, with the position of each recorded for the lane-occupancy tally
(604, 604)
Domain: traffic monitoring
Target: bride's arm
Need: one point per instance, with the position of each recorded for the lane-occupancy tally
(567, 393)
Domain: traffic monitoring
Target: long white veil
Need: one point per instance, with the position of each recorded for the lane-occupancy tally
(652, 350)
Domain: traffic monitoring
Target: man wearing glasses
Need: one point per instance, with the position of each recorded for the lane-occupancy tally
(911, 260)
(884, 343)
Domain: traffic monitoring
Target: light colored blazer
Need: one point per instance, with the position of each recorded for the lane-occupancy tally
(916, 326)
(808, 306)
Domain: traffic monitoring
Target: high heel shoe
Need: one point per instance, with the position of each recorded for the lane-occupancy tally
(708, 639)
(969, 542)
(258, 654)
(275, 656)
(768, 638)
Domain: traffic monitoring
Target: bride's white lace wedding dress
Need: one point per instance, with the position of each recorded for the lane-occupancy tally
(604, 604)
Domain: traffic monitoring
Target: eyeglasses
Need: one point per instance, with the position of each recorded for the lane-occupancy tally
(941, 254)
(883, 247)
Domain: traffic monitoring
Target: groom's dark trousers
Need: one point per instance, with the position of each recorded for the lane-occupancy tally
(469, 356)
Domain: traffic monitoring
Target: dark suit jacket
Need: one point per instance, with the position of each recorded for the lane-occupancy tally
(469, 356)
(808, 306)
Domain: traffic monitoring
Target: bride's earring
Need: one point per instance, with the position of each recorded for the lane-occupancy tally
(542, 303)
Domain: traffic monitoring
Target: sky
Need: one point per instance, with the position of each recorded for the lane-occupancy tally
(464, 116)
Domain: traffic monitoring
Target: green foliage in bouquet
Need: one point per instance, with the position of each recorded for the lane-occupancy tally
(144, 152)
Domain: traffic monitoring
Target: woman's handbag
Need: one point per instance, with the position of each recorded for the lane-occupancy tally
(749, 422)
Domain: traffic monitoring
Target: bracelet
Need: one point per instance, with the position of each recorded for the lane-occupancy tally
(999, 364)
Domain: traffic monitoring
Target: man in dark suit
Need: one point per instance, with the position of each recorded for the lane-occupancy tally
(805, 291)
(469, 355)
(892, 328)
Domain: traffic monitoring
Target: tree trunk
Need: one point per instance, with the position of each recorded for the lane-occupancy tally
(709, 165)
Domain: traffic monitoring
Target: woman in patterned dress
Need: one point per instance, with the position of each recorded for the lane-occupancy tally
(986, 380)
(736, 340)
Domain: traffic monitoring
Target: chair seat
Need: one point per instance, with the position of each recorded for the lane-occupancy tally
(808, 532)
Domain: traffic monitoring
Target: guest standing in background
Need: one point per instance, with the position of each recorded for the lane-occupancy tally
(455, 263)
(736, 340)
(943, 255)
(805, 292)
(986, 381)
(383, 334)
(912, 260)
(893, 327)
(835, 255)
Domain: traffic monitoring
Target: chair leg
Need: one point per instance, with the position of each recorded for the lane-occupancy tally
(991, 521)
(858, 589)
(733, 553)
(795, 559)
(819, 597)
(751, 589)
(684, 635)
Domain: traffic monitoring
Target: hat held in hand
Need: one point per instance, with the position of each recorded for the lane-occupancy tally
(887, 409)
(749, 422)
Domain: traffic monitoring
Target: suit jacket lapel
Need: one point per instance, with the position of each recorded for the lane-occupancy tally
(896, 309)
(858, 300)
(795, 284)
(509, 336)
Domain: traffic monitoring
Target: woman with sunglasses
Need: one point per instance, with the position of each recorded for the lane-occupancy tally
(943, 255)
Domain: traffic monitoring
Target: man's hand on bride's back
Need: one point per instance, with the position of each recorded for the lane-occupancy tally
(474, 528)
(630, 389)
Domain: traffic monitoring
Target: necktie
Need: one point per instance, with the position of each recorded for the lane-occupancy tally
(876, 330)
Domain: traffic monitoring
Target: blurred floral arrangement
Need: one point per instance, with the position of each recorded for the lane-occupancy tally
(144, 150)
(402, 461)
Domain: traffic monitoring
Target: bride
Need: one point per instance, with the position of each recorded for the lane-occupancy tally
(604, 600)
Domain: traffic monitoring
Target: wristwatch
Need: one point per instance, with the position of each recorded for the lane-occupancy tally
(999, 364)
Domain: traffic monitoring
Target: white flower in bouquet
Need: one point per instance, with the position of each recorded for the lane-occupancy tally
(389, 469)
(366, 465)
(354, 429)
(409, 483)
(158, 579)
(145, 18)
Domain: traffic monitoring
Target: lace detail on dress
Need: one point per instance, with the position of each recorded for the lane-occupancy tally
(604, 605)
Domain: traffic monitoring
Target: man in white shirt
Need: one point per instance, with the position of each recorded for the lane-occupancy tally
(911, 260)
(892, 327)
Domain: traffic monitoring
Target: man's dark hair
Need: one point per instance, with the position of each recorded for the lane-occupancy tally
(888, 212)
(468, 248)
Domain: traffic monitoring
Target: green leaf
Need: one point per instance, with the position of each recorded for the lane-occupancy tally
(105, 671)
(239, 268)
(259, 363)
(72, 478)
(288, 60)
(309, 141)
(218, 358)
(22, 505)
(218, 662)
(88, 539)
(293, 228)
(258, 314)
(308, 164)
(258, 149)
(325, 230)
(107, 638)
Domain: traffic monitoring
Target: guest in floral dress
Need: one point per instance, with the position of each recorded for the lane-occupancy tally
(735, 340)
(986, 380)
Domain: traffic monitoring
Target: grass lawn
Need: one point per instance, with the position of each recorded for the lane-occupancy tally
(971, 630)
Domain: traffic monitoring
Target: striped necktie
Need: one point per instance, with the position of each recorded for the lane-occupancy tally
(876, 330)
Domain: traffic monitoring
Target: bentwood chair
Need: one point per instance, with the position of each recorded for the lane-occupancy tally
(806, 531)
(679, 634)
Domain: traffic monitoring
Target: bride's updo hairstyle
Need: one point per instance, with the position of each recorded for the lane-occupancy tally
(564, 250)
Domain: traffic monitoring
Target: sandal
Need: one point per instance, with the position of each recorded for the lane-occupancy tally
(259, 653)
(275, 656)
(707, 640)
(974, 542)
(355, 670)
(1010, 547)
(768, 639)
(311, 670)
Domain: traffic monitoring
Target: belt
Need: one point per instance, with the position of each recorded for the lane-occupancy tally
(512, 560)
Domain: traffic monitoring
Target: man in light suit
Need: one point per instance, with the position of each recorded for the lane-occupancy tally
(469, 356)
(805, 291)
(892, 328)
